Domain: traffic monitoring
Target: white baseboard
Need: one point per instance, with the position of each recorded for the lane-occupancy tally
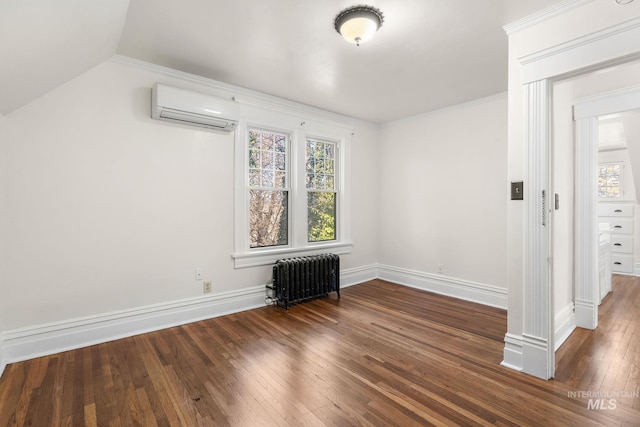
(40, 340)
(565, 324)
(636, 269)
(586, 315)
(3, 364)
(354, 276)
(457, 288)
(512, 356)
(534, 356)
(45, 339)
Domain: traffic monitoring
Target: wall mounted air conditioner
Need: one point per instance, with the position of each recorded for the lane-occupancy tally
(191, 108)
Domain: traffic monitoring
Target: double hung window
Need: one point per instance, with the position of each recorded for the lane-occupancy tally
(320, 161)
(268, 189)
(291, 194)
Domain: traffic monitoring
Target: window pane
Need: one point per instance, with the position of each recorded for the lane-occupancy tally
(267, 178)
(320, 164)
(267, 159)
(610, 180)
(268, 218)
(321, 216)
(254, 177)
(267, 153)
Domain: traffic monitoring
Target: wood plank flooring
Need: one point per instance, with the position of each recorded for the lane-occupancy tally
(383, 354)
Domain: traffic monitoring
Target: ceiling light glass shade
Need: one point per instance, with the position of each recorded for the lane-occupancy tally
(358, 24)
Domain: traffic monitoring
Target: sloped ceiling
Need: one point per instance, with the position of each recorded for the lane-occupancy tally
(429, 54)
(45, 43)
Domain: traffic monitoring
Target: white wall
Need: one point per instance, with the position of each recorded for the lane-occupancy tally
(107, 210)
(442, 193)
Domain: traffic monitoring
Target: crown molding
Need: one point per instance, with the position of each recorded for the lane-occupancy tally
(543, 15)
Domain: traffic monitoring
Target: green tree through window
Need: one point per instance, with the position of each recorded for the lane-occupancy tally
(321, 190)
(268, 189)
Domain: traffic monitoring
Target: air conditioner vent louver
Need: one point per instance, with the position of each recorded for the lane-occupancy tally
(187, 118)
(192, 108)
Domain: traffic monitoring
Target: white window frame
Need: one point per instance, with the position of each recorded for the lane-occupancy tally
(336, 176)
(289, 180)
(298, 244)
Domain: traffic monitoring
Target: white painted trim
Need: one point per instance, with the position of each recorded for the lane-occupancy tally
(616, 101)
(538, 297)
(543, 15)
(618, 41)
(250, 97)
(449, 286)
(636, 269)
(599, 49)
(3, 364)
(586, 274)
(45, 339)
(40, 340)
(587, 110)
(565, 324)
(357, 275)
(512, 355)
(585, 312)
(253, 259)
(297, 132)
(535, 352)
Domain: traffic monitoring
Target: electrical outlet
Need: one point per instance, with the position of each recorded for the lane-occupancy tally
(198, 273)
(206, 287)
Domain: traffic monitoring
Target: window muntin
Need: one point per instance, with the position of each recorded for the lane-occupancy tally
(610, 180)
(268, 188)
(253, 170)
(320, 178)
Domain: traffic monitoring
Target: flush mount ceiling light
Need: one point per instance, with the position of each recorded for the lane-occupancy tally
(357, 24)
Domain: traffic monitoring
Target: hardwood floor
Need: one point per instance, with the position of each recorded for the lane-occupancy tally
(383, 354)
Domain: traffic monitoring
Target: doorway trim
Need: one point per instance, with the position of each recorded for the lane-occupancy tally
(600, 49)
(586, 113)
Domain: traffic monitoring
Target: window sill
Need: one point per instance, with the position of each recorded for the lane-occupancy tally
(270, 256)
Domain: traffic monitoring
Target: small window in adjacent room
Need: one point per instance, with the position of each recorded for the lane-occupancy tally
(610, 180)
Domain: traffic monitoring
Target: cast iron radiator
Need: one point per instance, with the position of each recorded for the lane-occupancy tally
(297, 279)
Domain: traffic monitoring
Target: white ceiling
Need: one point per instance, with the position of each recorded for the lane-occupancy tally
(429, 54)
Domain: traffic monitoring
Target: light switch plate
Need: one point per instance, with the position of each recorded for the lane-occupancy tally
(517, 190)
